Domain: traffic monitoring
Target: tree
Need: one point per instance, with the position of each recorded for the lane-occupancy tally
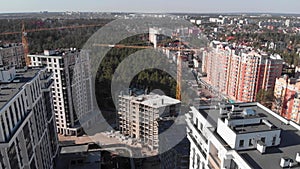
(266, 98)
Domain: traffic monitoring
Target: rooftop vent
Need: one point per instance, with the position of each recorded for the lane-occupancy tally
(140, 99)
(286, 162)
(269, 124)
(297, 157)
(49, 52)
(261, 146)
(248, 112)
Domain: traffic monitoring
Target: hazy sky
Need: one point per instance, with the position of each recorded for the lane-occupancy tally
(199, 6)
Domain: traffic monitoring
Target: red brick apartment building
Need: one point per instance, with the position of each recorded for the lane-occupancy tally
(287, 94)
(239, 71)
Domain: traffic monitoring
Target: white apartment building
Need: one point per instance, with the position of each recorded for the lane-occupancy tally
(156, 35)
(139, 116)
(241, 136)
(28, 136)
(72, 89)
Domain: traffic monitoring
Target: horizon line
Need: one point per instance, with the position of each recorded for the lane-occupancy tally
(139, 12)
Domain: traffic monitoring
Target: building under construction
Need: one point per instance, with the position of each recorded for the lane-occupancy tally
(139, 116)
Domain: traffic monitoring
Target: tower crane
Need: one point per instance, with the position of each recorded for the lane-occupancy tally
(179, 59)
(25, 32)
(25, 44)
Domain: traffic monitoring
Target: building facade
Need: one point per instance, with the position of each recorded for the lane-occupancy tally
(139, 116)
(28, 137)
(287, 98)
(241, 136)
(72, 89)
(12, 55)
(240, 72)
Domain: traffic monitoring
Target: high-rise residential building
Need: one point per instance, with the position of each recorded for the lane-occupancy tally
(240, 72)
(72, 89)
(12, 55)
(157, 35)
(139, 116)
(28, 137)
(241, 136)
(287, 98)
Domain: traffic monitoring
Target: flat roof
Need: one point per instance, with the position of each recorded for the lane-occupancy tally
(258, 125)
(289, 145)
(57, 53)
(10, 45)
(74, 149)
(153, 100)
(9, 90)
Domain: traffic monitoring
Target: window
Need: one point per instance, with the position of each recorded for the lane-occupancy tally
(250, 142)
(273, 140)
(241, 143)
(233, 165)
(263, 139)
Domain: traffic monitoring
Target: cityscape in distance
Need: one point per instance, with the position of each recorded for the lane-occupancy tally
(150, 85)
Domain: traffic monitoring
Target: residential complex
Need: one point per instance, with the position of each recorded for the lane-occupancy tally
(72, 87)
(241, 136)
(240, 72)
(42, 106)
(139, 116)
(28, 137)
(13, 55)
(287, 98)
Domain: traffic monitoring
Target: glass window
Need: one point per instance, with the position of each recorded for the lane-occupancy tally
(241, 144)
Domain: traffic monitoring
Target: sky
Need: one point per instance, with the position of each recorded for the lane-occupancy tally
(148, 6)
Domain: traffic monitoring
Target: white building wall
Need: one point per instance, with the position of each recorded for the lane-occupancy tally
(225, 132)
(25, 127)
(268, 135)
(80, 85)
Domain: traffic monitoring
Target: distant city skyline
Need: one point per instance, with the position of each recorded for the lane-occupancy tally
(159, 6)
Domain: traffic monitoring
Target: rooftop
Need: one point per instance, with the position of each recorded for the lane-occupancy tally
(154, 100)
(74, 149)
(57, 53)
(9, 90)
(290, 137)
(247, 120)
(9, 45)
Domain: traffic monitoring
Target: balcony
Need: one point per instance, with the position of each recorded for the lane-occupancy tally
(195, 130)
(46, 86)
(214, 162)
(47, 77)
(191, 137)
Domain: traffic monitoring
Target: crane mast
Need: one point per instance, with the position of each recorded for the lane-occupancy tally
(25, 44)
